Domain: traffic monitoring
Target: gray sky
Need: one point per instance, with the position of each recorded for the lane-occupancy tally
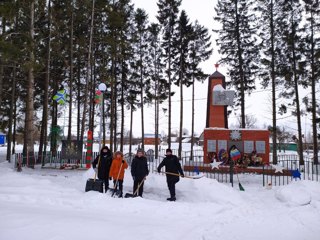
(257, 105)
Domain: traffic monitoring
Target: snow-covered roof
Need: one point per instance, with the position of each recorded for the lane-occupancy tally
(151, 135)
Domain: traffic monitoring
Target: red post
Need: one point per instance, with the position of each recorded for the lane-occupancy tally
(89, 149)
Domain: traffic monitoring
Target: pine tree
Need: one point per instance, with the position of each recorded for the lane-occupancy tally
(44, 120)
(8, 70)
(200, 51)
(181, 63)
(237, 45)
(141, 64)
(271, 57)
(28, 147)
(156, 82)
(167, 17)
(60, 39)
(312, 9)
(292, 67)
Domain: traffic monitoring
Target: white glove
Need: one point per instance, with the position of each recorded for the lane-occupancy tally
(96, 170)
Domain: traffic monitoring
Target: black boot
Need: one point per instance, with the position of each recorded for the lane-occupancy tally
(171, 199)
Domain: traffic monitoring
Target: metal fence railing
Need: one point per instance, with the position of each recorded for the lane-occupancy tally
(290, 163)
(267, 174)
(47, 159)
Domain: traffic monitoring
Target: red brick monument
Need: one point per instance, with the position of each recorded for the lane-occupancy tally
(219, 140)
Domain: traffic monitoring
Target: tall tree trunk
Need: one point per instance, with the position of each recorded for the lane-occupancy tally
(115, 137)
(29, 130)
(115, 116)
(192, 121)
(181, 118)
(12, 107)
(71, 75)
(88, 75)
(112, 107)
(313, 93)
(273, 87)
(1, 78)
(78, 101)
(2, 62)
(242, 96)
(169, 99)
(156, 123)
(296, 90)
(122, 113)
(131, 124)
(142, 107)
(44, 122)
(12, 103)
(14, 129)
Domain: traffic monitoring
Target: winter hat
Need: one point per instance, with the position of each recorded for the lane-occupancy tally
(104, 148)
(118, 153)
(140, 150)
(169, 151)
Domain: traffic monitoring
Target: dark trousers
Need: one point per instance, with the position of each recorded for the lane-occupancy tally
(172, 188)
(135, 186)
(106, 184)
(120, 184)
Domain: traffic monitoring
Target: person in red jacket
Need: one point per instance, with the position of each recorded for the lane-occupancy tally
(117, 168)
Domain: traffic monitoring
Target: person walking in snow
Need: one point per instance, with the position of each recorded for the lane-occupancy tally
(139, 171)
(104, 160)
(118, 166)
(173, 166)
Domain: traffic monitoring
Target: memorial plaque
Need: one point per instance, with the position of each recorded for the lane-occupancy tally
(261, 147)
(248, 146)
(211, 146)
(222, 144)
(223, 98)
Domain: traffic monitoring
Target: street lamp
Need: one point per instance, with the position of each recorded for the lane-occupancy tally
(102, 87)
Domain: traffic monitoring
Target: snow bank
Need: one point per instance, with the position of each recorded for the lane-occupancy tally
(299, 193)
(52, 204)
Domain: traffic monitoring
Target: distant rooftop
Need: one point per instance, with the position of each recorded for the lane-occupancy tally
(151, 135)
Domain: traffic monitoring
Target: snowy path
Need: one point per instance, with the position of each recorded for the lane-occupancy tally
(52, 205)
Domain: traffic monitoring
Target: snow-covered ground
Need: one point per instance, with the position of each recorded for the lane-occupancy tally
(52, 205)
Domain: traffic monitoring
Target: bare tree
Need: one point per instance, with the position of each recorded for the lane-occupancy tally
(250, 121)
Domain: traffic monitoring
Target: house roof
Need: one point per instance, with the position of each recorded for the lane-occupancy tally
(151, 135)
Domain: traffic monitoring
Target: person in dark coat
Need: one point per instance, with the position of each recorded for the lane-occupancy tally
(172, 164)
(139, 171)
(103, 160)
